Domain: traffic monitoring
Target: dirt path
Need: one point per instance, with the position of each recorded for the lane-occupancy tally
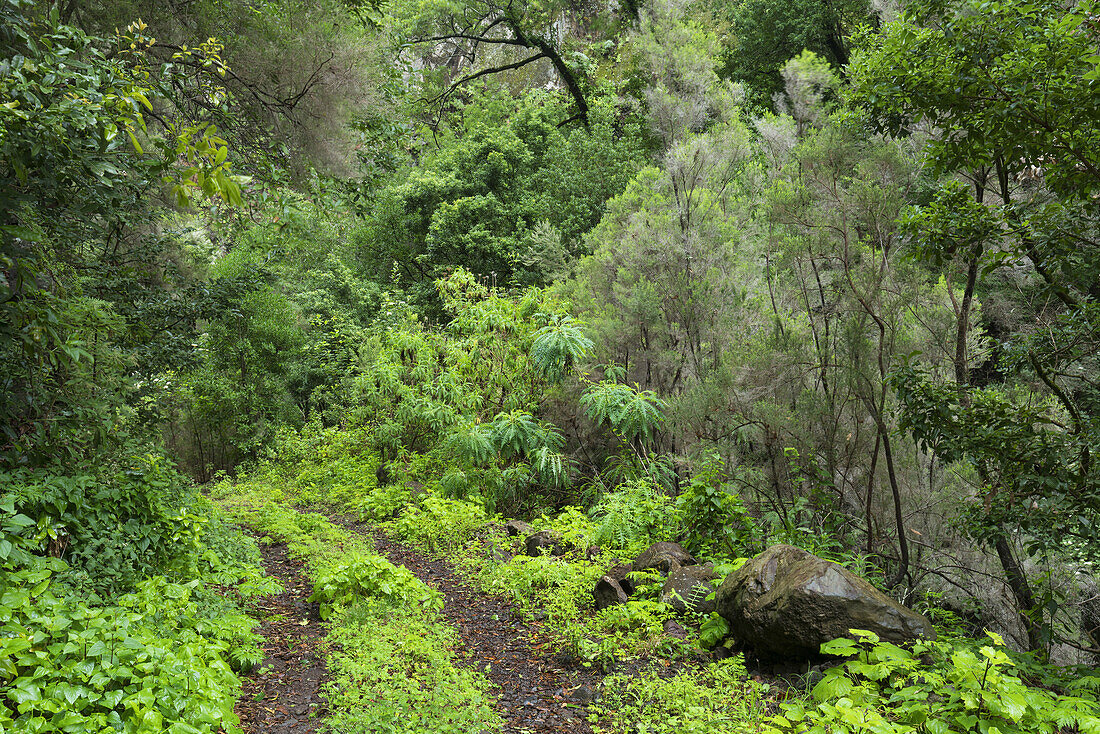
(282, 694)
(538, 692)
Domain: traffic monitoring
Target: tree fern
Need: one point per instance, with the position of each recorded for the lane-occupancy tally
(632, 413)
(513, 433)
(471, 444)
(518, 435)
(558, 347)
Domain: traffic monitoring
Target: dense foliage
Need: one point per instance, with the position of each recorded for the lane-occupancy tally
(724, 272)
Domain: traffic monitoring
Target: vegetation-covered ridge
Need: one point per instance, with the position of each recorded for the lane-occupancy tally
(731, 274)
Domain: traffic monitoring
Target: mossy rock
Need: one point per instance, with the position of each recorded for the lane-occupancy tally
(785, 603)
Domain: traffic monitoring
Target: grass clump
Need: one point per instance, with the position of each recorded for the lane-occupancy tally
(717, 699)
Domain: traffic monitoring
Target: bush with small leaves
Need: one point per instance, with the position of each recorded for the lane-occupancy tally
(439, 524)
(356, 576)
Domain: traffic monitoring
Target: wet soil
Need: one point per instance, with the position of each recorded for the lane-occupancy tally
(282, 694)
(538, 692)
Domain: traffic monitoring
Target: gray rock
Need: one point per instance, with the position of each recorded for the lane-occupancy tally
(621, 574)
(585, 694)
(662, 556)
(608, 592)
(687, 589)
(547, 541)
(785, 602)
(518, 528)
(675, 630)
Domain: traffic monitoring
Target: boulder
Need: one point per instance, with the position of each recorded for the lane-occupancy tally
(687, 589)
(621, 575)
(662, 556)
(547, 541)
(518, 529)
(785, 602)
(608, 592)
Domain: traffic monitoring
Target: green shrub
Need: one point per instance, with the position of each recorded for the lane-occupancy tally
(115, 525)
(384, 502)
(936, 688)
(440, 524)
(713, 514)
(633, 516)
(357, 575)
(574, 525)
(633, 629)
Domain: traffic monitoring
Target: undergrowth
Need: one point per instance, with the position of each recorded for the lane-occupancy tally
(719, 698)
(941, 687)
(395, 672)
(162, 657)
(393, 665)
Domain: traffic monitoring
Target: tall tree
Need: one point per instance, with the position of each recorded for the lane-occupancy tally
(83, 155)
(765, 34)
(1009, 91)
(471, 39)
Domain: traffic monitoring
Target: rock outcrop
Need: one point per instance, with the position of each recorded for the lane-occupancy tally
(666, 558)
(785, 602)
(518, 529)
(608, 592)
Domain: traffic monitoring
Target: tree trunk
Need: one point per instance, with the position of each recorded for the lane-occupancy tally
(1021, 590)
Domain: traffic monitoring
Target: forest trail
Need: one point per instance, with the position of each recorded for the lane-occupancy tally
(536, 691)
(282, 695)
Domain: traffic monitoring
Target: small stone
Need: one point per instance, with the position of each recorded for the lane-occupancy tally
(518, 528)
(585, 694)
(675, 630)
(546, 541)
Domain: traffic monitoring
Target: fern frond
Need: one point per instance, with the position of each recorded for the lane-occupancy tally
(558, 347)
(514, 434)
(471, 444)
(631, 412)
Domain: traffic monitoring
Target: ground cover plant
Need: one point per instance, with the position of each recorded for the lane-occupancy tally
(162, 657)
(395, 668)
(719, 697)
(947, 686)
